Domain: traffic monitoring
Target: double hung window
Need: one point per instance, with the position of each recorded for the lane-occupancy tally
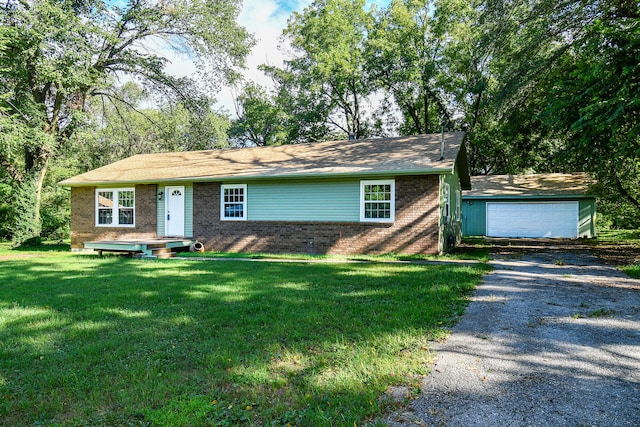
(233, 202)
(115, 207)
(377, 201)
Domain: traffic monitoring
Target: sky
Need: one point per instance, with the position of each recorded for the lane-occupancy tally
(265, 19)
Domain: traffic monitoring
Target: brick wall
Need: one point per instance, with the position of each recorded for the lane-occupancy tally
(415, 229)
(83, 221)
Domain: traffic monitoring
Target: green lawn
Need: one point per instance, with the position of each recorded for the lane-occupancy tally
(115, 341)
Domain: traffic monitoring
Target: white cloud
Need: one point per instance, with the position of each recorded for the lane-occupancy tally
(265, 19)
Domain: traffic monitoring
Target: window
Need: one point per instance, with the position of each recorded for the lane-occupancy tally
(233, 202)
(458, 205)
(377, 201)
(446, 196)
(115, 207)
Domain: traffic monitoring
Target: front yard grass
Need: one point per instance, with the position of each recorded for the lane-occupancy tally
(115, 341)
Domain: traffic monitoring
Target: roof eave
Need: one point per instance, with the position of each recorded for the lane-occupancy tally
(239, 178)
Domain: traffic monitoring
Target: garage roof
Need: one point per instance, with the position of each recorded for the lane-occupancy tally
(546, 185)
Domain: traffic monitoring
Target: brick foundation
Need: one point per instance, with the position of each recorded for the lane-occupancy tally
(415, 229)
(83, 228)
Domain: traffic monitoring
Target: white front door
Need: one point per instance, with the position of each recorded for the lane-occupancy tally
(174, 211)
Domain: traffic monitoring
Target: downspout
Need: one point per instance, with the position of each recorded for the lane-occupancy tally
(441, 225)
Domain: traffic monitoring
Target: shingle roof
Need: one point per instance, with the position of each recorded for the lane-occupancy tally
(550, 184)
(401, 155)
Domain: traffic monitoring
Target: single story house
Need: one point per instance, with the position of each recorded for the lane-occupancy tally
(383, 195)
(538, 205)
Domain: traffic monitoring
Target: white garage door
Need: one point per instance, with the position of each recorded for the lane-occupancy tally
(549, 219)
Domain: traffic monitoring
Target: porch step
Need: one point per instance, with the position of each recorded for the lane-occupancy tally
(165, 255)
(162, 252)
(156, 246)
(159, 250)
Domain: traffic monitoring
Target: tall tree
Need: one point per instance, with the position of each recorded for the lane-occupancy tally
(55, 55)
(124, 127)
(260, 122)
(405, 55)
(595, 100)
(328, 39)
(568, 80)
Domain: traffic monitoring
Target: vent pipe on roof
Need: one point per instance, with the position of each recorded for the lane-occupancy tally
(442, 143)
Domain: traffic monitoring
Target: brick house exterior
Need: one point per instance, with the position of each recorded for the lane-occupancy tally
(424, 170)
(415, 229)
(83, 222)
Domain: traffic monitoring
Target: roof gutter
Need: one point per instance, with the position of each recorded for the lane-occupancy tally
(241, 178)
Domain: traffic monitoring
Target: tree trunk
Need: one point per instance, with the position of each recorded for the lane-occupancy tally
(40, 176)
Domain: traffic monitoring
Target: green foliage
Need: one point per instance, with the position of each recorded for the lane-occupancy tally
(56, 56)
(596, 99)
(133, 342)
(404, 50)
(24, 219)
(124, 127)
(328, 38)
(260, 122)
(632, 270)
(6, 211)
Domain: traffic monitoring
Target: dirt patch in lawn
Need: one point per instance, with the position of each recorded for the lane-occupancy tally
(612, 253)
(16, 256)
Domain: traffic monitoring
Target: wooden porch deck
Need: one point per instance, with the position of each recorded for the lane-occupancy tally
(147, 248)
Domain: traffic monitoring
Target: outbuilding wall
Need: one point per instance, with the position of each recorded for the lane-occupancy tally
(474, 214)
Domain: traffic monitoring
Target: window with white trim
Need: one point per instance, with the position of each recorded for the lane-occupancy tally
(458, 205)
(377, 200)
(446, 196)
(233, 202)
(115, 207)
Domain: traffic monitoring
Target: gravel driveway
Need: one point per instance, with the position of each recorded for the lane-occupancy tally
(550, 339)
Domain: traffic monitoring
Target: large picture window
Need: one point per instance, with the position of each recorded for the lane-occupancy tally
(377, 200)
(115, 207)
(233, 202)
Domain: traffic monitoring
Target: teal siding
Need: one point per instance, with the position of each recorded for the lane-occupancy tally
(188, 210)
(160, 213)
(474, 214)
(474, 217)
(304, 201)
(587, 218)
(453, 226)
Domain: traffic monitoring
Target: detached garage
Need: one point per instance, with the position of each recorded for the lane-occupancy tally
(536, 206)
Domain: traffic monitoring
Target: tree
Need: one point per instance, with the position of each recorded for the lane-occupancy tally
(56, 55)
(123, 128)
(595, 100)
(404, 58)
(260, 122)
(329, 40)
